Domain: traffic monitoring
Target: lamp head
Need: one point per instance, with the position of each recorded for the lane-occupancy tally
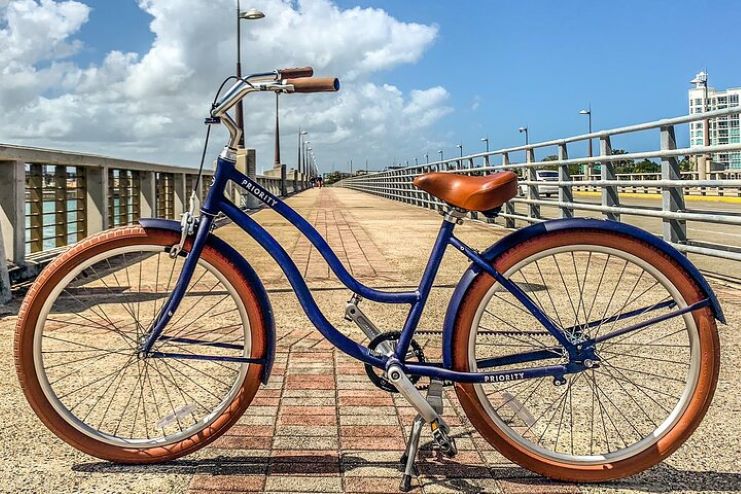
(522, 129)
(585, 112)
(701, 78)
(251, 15)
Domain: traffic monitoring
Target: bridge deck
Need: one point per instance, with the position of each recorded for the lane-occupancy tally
(319, 425)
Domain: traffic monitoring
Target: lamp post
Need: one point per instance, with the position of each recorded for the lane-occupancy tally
(299, 166)
(309, 162)
(588, 113)
(701, 81)
(527, 137)
(306, 157)
(486, 140)
(460, 147)
(427, 158)
(277, 162)
(249, 15)
(440, 152)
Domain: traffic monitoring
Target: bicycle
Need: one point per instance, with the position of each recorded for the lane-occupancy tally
(584, 350)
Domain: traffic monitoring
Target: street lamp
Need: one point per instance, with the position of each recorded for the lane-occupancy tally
(588, 113)
(277, 162)
(427, 158)
(486, 140)
(249, 15)
(460, 146)
(527, 137)
(701, 81)
(301, 133)
(440, 152)
(306, 156)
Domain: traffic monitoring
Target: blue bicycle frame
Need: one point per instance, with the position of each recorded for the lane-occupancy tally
(216, 203)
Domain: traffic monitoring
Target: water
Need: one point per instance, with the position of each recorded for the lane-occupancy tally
(50, 230)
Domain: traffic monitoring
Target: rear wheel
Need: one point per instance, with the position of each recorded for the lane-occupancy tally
(650, 388)
(77, 351)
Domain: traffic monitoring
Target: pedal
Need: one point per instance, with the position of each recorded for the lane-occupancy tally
(440, 434)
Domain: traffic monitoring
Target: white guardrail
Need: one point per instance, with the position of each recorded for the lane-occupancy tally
(673, 185)
(51, 199)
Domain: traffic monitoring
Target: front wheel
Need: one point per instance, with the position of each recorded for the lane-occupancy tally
(77, 347)
(649, 388)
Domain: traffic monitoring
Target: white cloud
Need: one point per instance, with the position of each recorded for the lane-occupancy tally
(150, 106)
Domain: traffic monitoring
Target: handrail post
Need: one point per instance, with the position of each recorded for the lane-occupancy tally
(180, 200)
(283, 189)
(533, 193)
(509, 206)
(12, 221)
(565, 192)
(96, 199)
(35, 184)
(147, 195)
(672, 197)
(60, 206)
(610, 197)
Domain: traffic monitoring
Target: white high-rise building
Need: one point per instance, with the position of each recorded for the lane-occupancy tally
(723, 130)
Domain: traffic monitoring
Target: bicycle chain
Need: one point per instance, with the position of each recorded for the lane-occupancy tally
(447, 384)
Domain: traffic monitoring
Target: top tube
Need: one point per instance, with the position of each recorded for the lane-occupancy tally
(225, 170)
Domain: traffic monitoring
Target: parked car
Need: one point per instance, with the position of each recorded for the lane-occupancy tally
(544, 189)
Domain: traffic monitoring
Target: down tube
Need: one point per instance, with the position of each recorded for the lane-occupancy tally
(321, 245)
(308, 304)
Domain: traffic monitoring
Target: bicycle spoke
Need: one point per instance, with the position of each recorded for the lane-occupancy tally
(635, 385)
(90, 346)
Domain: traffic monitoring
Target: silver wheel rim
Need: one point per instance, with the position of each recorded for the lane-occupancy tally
(647, 442)
(114, 440)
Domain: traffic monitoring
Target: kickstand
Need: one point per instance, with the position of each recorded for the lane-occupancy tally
(410, 454)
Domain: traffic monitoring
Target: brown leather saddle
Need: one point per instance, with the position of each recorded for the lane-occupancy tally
(473, 193)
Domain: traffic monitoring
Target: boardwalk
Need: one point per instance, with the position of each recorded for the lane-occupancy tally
(319, 425)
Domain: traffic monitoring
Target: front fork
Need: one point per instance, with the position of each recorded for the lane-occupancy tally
(173, 302)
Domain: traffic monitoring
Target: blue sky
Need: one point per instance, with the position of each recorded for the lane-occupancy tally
(538, 62)
(534, 63)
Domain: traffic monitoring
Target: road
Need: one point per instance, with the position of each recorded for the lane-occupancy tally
(698, 231)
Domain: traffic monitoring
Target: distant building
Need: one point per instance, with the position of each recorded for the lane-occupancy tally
(723, 130)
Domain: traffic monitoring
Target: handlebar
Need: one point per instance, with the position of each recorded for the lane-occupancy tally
(313, 84)
(276, 81)
(295, 72)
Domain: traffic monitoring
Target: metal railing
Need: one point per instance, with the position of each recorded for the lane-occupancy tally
(670, 183)
(50, 199)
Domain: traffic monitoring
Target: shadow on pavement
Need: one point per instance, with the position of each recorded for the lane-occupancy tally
(441, 472)
(662, 478)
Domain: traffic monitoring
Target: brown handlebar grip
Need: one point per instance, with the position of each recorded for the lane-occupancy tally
(295, 72)
(314, 84)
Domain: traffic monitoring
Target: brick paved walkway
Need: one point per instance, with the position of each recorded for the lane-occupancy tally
(321, 426)
(347, 239)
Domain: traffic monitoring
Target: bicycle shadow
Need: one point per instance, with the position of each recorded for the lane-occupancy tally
(433, 471)
(661, 479)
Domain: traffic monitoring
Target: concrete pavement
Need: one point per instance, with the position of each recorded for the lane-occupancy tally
(319, 425)
(698, 231)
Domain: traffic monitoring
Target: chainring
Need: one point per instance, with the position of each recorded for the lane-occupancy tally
(377, 376)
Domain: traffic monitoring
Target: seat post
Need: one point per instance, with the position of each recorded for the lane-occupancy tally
(454, 215)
